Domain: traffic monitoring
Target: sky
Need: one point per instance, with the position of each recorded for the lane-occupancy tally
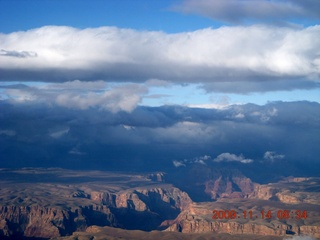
(151, 83)
(193, 53)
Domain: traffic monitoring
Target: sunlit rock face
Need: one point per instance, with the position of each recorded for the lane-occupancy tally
(47, 203)
(64, 204)
(46, 222)
(229, 187)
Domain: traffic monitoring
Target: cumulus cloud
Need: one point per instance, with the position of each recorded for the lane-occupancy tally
(185, 132)
(200, 160)
(21, 95)
(265, 116)
(273, 156)
(128, 127)
(80, 95)
(178, 163)
(124, 98)
(253, 55)
(235, 11)
(229, 157)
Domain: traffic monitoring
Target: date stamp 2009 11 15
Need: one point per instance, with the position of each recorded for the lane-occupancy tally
(280, 214)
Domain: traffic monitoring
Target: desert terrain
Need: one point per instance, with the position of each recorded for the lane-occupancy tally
(42, 203)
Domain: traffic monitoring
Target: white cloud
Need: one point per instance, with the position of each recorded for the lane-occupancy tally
(265, 116)
(208, 106)
(272, 156)
(124, 98)
(206, 157)
(255, 54)
(128, 127)
(217, 102)
(239, 115)
(200, 160)
(20, 95)
(60, 133)
(185, 132)
(228, 157)
(273, 112)
(178, 163)
(82, 95)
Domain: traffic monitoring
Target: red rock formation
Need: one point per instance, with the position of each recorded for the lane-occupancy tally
(47, 222)
(229, 187)
(144, 199)
(264, 192)
(107, 209)
(310, 231)
(190, 223)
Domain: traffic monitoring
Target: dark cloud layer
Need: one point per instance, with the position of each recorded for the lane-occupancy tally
(235, 11)
(244, 87)
(285, 135)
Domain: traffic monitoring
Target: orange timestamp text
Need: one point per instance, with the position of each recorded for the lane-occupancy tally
(263, 214)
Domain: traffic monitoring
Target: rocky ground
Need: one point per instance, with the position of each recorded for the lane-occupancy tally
(107, 233)
(52, 203)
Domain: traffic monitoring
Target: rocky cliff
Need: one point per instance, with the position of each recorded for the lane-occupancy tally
(144, 199)
(108, 233)
(291, 191)
(44, 205)
(193, 222)
(48, 210)
(189, 223)
(229, 187)
(204, 183)
(143, 209)
(45, 222)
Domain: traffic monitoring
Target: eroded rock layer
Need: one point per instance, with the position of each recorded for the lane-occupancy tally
(46, 203)
(30, 207)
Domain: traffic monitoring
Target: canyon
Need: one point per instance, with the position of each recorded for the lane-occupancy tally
(198, 219)
(56, 203)
(47, 203)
